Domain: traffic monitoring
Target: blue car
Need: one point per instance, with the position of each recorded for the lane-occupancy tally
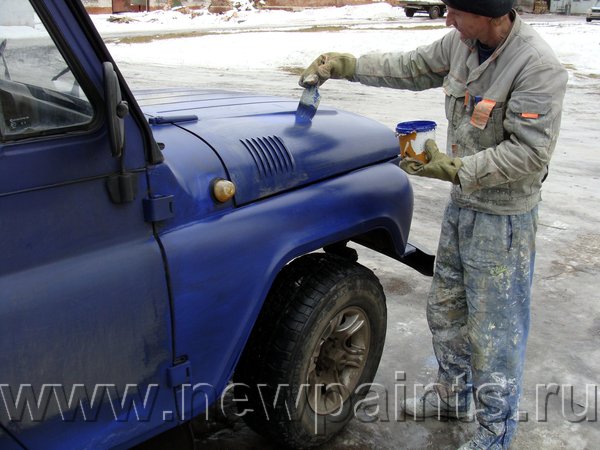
(163, 249)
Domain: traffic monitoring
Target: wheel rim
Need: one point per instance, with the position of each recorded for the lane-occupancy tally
(338, 360)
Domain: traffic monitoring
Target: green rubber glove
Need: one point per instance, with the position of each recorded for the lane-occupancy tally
(329, 65)
(439, 165)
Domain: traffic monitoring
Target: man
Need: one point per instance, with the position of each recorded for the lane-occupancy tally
(504, 91)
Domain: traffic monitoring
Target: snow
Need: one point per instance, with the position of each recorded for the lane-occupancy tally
(247, 17)
(256, 39)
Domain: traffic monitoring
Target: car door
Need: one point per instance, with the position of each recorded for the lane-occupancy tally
(85, 338)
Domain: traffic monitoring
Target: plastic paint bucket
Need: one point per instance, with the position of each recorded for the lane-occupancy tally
(412, 136)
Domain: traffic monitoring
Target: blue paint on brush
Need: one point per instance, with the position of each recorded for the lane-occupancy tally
(307, 108)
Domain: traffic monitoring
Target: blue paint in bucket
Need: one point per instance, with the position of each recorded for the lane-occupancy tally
(418, 126)
(412, 137)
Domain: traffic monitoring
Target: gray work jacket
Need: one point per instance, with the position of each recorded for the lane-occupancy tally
(503, 115)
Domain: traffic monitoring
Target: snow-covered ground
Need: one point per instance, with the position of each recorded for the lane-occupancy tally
(262, 39)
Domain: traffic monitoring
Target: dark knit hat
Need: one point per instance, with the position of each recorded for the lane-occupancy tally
(488, 8)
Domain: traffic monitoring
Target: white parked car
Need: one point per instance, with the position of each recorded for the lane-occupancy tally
(593, 13)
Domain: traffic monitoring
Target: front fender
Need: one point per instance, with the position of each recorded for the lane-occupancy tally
(222, 267)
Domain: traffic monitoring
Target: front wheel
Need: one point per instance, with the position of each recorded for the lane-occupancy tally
(409, 12)
(315, 348)
(434, 12)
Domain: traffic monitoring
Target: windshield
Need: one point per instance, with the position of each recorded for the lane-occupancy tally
(38, 92)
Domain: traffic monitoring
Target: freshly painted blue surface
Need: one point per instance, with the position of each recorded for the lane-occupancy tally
(7, 442)
(222, 267)
(94, 294)
(262, 147)
(223, 258)
(84, 298)
(83, 290)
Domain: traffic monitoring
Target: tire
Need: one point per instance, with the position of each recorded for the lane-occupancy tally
(588, 19)
(318, 340)
(434, 12)
(409, 12)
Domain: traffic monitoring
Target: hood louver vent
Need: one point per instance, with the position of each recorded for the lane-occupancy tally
(270, 155)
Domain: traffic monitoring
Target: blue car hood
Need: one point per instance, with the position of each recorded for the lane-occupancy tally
(262, 148)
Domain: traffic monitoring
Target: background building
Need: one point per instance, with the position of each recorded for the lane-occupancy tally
(571, 6)
(115, 6)
(20, 13)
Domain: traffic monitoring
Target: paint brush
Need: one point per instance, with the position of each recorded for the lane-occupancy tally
(309, 102)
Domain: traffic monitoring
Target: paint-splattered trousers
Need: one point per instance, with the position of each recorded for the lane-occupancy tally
(478, 313)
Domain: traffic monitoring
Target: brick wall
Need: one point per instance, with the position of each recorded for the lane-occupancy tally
(296, 4)
(109, 6)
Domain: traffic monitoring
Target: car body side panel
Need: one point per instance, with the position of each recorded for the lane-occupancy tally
(7, 442)
(84, 304)
(189, 168)
(222, 266)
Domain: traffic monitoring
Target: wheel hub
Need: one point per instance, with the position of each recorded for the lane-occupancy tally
(338, 360)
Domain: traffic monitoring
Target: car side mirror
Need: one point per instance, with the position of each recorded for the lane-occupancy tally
(116, 109)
